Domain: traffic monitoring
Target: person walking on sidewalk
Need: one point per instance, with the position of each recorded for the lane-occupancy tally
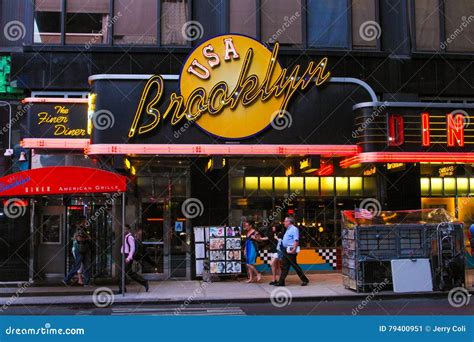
(289, 248)
(251, 251)
(128, 250)
(82, 257)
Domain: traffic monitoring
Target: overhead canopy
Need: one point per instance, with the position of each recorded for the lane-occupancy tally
(60, 180)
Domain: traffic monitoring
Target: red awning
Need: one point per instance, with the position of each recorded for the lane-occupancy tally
(61, 180)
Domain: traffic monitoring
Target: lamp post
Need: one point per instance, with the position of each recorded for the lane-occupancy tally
(9, 151)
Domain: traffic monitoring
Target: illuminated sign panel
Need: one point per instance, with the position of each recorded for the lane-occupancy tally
(232, 86)
(429, 128)
(57, 118)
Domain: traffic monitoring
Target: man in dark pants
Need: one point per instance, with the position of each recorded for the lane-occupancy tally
(289, 247)
(128, 250)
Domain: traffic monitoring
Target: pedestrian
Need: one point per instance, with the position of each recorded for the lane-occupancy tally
(82, 258)
(128, 251)
(289, 247)
(251, 251)
(275, 240)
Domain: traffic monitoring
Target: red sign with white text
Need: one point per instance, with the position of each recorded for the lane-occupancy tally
(61, 180)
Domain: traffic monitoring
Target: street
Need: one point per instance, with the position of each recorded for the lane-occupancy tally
(394, 307)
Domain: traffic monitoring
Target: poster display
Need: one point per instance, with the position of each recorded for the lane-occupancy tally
(221, 247)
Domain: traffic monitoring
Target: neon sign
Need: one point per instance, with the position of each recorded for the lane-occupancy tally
(232, 86)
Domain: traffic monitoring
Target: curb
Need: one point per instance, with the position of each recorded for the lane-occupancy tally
(150, 301)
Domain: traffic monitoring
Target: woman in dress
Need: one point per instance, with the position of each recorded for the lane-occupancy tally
(251, 251)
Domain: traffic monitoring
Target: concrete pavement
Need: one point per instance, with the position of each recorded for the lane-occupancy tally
(322, 285)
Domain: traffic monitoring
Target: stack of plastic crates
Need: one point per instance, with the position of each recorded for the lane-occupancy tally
(369, 245)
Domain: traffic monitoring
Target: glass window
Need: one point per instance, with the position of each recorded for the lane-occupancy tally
(281, 21)
(251, 186)
(266, 186)
(427, 28)
(356, 186)
(450, 186)
(436, 186)
(327, 23)
(47, 25)
(425, 186)
(296, 184)
(370, 186)
(462, 186)
(281, 185)
(237, 186)
(365, 29)
(342, 186)
(87, 21)
(459, 28)
(312, 186)
(174, 15)
(243, 17)
(327, 186)
(136, 23)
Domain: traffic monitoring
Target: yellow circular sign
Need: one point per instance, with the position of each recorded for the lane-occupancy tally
(226, 74)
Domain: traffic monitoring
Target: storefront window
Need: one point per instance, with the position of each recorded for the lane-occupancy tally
(356, 186)
(251, 186)
(296, 185)
(243, 17)
(137, 23)
(427, 25)
(370, 186)
(281, 21)
(266, 186)
(281, 185)
(312, 186)
(342, 186)
(174, 15)
(327, 186)
(87, 22)
(425, 186)
(462, 186)
(47, 25)
(436, 186)
(450, 186)
(237, 186)
(327, 23)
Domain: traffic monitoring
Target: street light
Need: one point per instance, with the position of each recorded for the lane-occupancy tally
(9, 150)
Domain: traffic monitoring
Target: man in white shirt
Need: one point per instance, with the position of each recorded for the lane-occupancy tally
(128, 250)
(290, 245)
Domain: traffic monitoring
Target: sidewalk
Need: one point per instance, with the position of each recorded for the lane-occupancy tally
(322, 285)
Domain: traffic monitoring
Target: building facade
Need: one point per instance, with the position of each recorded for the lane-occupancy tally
(386, 124)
